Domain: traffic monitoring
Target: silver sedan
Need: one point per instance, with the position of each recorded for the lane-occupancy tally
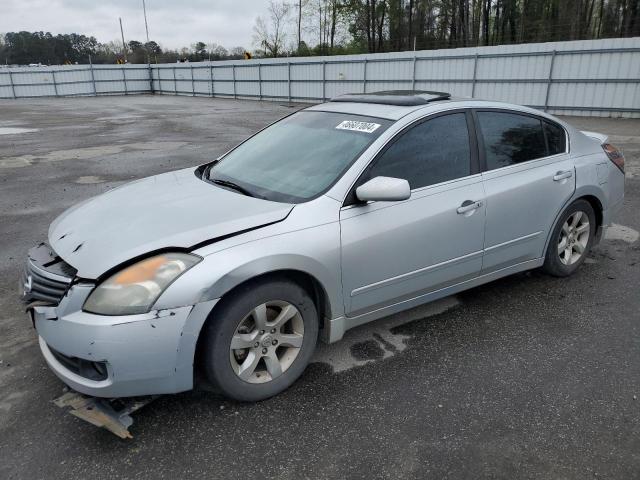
(332, 217)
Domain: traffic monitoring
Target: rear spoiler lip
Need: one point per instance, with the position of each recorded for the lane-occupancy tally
(600, 137)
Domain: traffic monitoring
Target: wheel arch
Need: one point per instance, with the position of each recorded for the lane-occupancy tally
(307, 272)
(596, 204)
(595, 198)
(314, 288)
(311, 273)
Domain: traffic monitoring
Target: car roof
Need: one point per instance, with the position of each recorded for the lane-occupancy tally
(389, 112)
(401, 98)
(393, 105)
(389, 104)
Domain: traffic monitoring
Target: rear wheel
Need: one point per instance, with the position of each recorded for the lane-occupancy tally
(571, 239)
(259, 340)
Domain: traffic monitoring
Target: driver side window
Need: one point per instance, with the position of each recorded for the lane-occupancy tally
(433, 151)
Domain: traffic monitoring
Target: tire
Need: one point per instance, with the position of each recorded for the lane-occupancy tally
(253, 317)
(570, 240)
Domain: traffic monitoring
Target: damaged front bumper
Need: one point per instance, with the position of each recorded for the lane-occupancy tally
(114, 415)
(119, 356)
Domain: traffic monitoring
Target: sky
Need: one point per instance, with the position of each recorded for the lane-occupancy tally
(172, 23)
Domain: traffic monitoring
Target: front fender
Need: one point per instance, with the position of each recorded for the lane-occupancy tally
(274, 263)
(314, 251)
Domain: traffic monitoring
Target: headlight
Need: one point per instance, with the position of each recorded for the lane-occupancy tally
(136, 288)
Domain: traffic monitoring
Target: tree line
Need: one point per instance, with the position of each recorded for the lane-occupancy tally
(367, 26)
(24, 48)
(330, 27)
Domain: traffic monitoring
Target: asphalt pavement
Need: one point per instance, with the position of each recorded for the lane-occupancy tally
(526, 377)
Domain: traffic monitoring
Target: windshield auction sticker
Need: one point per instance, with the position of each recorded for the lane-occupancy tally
(355, 126)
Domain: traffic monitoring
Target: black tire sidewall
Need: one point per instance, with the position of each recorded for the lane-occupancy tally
(222, 324)
(552, 264)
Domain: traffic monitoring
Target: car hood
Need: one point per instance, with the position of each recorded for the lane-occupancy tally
(175, 209)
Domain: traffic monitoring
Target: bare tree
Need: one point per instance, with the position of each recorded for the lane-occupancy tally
(269, 33)
(299, 22)
(236, 52)
(216, 51)
(334, 18)
(301, 6)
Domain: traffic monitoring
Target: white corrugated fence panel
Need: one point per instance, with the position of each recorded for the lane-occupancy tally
(592, 77)
(532, 94)
(344, 71)
(457, 89)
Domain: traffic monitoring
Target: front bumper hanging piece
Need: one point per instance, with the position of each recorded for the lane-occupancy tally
(113, 414)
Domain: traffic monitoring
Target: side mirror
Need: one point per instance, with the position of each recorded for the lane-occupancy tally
(384, 189)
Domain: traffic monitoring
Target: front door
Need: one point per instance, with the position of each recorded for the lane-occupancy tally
(395, 251)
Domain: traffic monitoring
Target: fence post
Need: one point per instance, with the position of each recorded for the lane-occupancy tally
(175, 83)
(151, 89)
(55, 86)
(475, 72)
(124, 80)
(211, 78)
(93, 78)
(13, 88)
(413, 75)
(324, 80)
(364, 77)
(549, 80)
(260, 81)
(193, 85)
(233, 72)
(289, 81)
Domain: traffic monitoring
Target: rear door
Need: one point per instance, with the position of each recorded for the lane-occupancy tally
(528, 178)
(395, 251)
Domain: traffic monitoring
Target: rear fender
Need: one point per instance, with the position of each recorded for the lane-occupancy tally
(580, 192)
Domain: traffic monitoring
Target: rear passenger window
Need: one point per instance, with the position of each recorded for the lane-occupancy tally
(434, 151)
(510, 138)
(555, 138)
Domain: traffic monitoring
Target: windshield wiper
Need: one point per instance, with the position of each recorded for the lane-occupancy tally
(234, 186)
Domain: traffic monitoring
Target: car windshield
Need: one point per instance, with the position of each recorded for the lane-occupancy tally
(297, 158)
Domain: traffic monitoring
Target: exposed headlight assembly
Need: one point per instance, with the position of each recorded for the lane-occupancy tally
(136, 288)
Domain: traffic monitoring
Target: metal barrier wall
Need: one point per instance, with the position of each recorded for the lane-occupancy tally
(594, 77)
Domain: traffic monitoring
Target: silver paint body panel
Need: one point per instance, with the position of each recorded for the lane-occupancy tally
(388, 247)
(174, 209)
(522, 203)
(369, 260)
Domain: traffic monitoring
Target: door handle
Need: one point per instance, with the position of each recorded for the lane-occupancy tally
(468, 206)
(562, 175)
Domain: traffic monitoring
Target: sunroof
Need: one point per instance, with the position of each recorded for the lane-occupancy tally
(394, 97)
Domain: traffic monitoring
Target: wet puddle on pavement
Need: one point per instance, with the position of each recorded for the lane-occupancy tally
(374, 341)
(620, 232)
(89, 180)
(16, 131)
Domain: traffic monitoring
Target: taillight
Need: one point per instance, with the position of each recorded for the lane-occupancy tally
(614, 155)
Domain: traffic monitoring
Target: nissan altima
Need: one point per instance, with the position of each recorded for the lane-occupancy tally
(332, 217)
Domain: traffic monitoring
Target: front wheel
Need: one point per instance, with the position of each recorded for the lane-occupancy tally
(571, 239)
(259, 340)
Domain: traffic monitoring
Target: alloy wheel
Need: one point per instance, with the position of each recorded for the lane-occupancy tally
(574, 238)
(266, 342)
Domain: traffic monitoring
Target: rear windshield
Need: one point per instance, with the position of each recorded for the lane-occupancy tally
(299, 157)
